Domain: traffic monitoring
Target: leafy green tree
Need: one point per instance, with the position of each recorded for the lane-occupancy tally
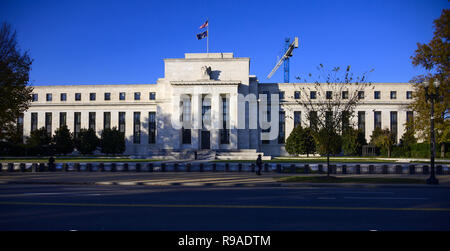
(15, 92)
(63, 142)
(352, 141)
(112, 141)
(408, 138)
(39, 142)
(384, 139)
(301, 141)
(435, 58)
(87, 141)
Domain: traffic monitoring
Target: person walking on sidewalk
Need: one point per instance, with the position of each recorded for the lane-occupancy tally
(259, 164)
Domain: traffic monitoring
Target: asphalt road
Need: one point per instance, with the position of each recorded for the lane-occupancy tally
(93, 207)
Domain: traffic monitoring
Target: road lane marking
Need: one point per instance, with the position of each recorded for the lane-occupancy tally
(179, 180)
(16, 203)
(33, 194)
(384, 198)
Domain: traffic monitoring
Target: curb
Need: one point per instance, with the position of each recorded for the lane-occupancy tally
(197, 184)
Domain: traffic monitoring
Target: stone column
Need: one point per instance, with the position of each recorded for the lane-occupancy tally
(401, 121)
(168, 127)
(196, 115)
(70, 119)
(115, 119)
(26, 123)
(129, 123)
(233, 113)
(41, 119)
(370, 123)
(216, 120)
(99, 122)
(55, 121)
(84, 119)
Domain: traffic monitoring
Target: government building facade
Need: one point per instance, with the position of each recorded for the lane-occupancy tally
(197, 108)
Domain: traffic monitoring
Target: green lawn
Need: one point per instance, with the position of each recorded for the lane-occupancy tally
(332, 179)
(437, 162)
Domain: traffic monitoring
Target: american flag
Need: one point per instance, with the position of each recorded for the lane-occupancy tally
(204, 25)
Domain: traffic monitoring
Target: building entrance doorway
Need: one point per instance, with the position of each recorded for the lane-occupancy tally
(206, 140)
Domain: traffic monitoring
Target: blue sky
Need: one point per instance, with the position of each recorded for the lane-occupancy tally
(125, 42)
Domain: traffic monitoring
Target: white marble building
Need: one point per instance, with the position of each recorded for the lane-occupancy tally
(151, 115)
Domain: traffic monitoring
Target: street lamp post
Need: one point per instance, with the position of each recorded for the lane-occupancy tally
(432, 97)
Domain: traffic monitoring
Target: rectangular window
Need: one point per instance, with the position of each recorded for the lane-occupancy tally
(186, 136)
(393, 95)
(48, 97)
(34, 121)
(362, 121)
(409, 116)
(281, 95)
(34, 97)
(313, 120)
(329, 94)
(152, 95)
(345, 120)
(122, 122)
(152, 127)
(297, 118)
(77, 96)
(344, 94)
(360, 94)
(106, 120)
(63, 96)
(312, 94)
(92, 120)
(281, 127)
(62, 119)
(409, 95)
(225, 131)
(137, 128)
(122, 96)
(77, 124)
(137, 96)
(376, 94)
(206, 112)
(107, 96)
(394, 124)
(409, 120)
(268, 129)
(20, 126)
(328, 119)
(48, 123)
(377, 119)
(92, 96)
(297, 95)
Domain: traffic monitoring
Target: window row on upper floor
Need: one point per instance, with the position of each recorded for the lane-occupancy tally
(344, 94)
(92, 96)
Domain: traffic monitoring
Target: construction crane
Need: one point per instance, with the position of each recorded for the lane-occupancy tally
(289, 48)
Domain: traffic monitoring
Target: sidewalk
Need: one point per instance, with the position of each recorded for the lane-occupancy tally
(195, 179)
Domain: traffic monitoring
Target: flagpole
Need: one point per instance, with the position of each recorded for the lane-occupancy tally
(207, 37)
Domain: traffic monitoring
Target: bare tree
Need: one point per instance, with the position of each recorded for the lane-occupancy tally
(329, 104)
